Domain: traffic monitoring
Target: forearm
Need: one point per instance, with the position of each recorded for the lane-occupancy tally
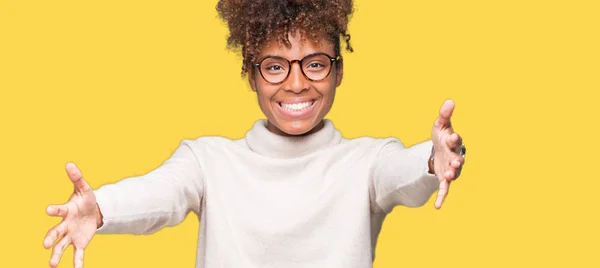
(145, 204)
(401, 176)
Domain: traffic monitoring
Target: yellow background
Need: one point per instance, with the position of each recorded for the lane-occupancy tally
(115, 85)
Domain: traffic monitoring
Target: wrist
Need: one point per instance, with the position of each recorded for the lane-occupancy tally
(99, 221)
(430, 162)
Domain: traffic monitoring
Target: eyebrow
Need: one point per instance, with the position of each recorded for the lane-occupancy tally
(278, 56)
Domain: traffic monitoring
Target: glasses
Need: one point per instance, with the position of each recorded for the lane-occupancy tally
(315, 67)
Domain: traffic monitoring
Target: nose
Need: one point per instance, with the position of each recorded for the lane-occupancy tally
(296, 81)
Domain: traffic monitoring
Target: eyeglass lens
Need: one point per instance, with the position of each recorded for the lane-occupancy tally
(276, 69)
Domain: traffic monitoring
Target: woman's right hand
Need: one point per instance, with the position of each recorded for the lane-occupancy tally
(81, 217)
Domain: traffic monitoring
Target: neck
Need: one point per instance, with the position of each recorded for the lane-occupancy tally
(274, 129)
(275, 143)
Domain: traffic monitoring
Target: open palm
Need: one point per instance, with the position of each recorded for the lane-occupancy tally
(448, 145)
(79, 222)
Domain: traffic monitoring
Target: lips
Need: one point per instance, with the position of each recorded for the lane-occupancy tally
(296, 108)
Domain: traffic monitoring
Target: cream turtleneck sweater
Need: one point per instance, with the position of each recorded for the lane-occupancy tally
(273, 201)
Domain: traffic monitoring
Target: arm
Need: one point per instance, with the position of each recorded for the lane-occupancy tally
(147, 203)
(403, 176)
(400, 176)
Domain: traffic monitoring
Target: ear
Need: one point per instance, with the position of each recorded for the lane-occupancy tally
(252, 79)
(339, 66)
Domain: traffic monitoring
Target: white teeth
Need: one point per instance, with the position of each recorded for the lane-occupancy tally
(296, 107)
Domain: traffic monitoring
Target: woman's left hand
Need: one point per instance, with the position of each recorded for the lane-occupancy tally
(448, 151)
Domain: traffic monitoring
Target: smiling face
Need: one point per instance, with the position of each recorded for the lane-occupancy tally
(297, 105)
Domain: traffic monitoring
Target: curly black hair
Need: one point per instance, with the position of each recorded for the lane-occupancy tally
(254, 23)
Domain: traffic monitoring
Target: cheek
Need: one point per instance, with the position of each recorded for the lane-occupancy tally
(328, 94)
(265, 95)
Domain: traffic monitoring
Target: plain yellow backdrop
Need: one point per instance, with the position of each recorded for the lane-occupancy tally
(115, 86)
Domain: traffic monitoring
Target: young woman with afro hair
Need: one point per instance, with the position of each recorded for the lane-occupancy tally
(293, 192)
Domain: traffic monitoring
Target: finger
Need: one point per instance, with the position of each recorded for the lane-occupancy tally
(458, 173)
(78, 258)
(54, 233)
(58, 250)
(449, 174)
(454, 142)
(77, 178)
(457, 162)
(442, 193)
(57, 210)
(443, 120)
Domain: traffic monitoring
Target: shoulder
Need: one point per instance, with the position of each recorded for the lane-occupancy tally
(213, 143)
(370, 141)
(371, 144)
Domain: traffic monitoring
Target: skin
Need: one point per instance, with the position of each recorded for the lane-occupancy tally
(296, 87)
(82, 216)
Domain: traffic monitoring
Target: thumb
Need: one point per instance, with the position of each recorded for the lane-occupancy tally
(443, 120)
(76, 177)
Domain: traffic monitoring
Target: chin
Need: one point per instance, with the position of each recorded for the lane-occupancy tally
(296, 121)
(297, 127)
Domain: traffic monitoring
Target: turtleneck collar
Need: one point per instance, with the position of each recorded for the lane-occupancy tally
(267, 143)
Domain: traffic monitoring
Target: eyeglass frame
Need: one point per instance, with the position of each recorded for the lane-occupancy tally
(332, 60)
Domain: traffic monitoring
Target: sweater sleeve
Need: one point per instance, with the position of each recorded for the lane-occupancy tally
(160, 198)
(400, 177)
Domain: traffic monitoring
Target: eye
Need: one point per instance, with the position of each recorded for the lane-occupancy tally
(315, 65)
(275, 68)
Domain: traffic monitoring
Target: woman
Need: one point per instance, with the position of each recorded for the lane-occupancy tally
(292, 192)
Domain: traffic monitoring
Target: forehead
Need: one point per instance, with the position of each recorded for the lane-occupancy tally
(298, 47)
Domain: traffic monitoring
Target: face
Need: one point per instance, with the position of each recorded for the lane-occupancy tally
(297, 105)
